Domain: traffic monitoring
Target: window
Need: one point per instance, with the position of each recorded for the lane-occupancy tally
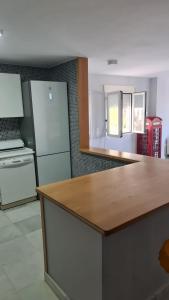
(125, 113)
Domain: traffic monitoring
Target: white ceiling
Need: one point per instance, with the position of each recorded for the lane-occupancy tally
(43, 32)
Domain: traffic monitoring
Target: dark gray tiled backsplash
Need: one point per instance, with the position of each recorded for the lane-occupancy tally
(26, 73)
(81, 163)
(9, 129)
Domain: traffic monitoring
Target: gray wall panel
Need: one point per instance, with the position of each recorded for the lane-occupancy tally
(74, 254)
(131, 267)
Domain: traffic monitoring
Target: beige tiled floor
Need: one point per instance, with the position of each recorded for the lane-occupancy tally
(21, 255)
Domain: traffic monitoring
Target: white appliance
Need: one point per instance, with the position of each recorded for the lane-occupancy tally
(45, 128)
(17, 173)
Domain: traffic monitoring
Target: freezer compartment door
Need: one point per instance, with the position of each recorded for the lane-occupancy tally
(50, 110)
(52, 168)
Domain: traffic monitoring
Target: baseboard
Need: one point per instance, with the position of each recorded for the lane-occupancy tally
(55, 288)
(17, 203)
(161, 294)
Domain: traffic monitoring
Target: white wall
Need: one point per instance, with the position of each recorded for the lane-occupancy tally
(152, 104)
(126, 144)
(97, 116)
(162, 107)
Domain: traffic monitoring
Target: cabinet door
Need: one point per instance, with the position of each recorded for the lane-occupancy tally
(11, 105)
(17, 183)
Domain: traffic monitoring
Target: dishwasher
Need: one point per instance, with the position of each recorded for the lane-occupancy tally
(17, 176)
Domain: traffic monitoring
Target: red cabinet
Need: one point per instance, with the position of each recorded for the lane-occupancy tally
(149, 143)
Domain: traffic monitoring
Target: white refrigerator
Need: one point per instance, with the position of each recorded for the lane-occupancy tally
(45, 129)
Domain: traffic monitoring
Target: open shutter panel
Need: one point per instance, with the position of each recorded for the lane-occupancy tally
(114, 114)
(127, 112)
(138, 112)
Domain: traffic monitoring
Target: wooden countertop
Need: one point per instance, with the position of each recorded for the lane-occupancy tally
(112, 199)
(115, 155)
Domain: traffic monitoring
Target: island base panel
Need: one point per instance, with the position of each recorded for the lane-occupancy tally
(83, 264)
(74, 254)
(131, 266)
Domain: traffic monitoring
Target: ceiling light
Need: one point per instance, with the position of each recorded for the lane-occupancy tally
(112, 62)
(1, 32)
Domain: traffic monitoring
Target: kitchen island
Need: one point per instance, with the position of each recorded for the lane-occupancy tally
(103, 232)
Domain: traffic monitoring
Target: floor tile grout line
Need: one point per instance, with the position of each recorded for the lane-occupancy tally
(39, 286)
(2, 267)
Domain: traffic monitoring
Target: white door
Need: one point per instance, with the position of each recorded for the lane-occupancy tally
(52, 168)
(50, 110)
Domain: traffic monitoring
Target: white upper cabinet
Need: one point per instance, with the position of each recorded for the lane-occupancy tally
(11, 105)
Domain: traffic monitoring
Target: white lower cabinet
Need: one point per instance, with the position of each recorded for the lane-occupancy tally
(17, 182)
